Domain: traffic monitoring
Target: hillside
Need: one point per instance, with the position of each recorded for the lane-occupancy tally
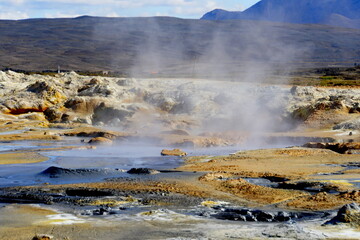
(171, 46)
(345, 13)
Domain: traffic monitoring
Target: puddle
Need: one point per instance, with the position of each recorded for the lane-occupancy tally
(12, 132)
(121, 157)
(262, 182)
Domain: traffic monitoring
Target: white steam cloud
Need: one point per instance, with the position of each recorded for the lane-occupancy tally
(245, 55)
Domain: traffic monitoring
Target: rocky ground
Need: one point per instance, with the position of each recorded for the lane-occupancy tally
(303, 185)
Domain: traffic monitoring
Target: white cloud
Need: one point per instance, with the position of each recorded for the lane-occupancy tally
(15, 9)
(13, 15)
(60, 15)
(18, 2)
(237, 7)
(123, 3)
(112, 14)
(196, 8)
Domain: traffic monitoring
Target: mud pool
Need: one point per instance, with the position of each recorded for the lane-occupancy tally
(105, 161)
(133, 215)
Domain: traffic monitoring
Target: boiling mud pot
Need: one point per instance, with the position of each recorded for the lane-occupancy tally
(102, 162)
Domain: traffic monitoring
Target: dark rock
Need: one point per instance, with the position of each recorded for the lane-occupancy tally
(349, 213)
(65, 118)
(56, 172)
(262, 216)
(53, 115)
(94, 81)
(229, 216)
(38, 87)
(106, 114)
(242, 211)
(101, 211)
(282, 217)
(246, 215)
(348, 209)
(250, 217)
(276, 179)
(142, 171)
(336, 147)
(88, 192)
(72, 102)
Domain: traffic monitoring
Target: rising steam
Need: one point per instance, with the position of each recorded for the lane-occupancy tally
(239, 55)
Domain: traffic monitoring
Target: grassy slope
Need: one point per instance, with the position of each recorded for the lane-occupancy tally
(170, 45)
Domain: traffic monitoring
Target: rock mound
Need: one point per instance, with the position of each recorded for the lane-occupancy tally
(336, 147)
(142, 171)
(350, 125)
(57, 172)
(349, 213)
(253, 215)
(174, 152)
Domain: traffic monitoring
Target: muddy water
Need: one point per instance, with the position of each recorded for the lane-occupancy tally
(19, 221)
(114, 160)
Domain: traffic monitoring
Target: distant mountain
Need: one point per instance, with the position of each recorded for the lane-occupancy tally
(344, 13)
(172, 46)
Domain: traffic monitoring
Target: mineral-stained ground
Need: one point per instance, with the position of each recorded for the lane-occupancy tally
(264, 161)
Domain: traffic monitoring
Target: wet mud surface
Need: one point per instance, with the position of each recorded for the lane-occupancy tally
(92, 186)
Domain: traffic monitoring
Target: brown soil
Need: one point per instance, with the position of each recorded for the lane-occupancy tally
(21, 157)
(93, 132)
(29, 137)
(298, 164)
(320, 201)
(293, 163)
(246, 190)
(174, 152)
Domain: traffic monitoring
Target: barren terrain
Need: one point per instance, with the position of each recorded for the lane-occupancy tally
(256, 153)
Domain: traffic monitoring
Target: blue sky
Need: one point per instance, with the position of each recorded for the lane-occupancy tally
(21, 9)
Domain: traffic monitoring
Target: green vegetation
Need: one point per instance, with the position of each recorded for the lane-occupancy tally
(328, 78)
(338, 82)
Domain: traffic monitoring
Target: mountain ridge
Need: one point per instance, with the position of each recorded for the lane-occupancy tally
(170, 45)
(294, 11)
